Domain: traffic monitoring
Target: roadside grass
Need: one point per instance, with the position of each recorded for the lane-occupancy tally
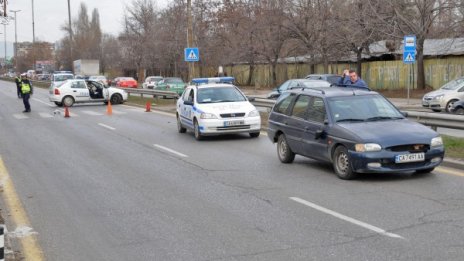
(454, 147)
(157, 101)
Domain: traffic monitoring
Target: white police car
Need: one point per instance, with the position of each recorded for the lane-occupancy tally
(73, 91)
(215, 106)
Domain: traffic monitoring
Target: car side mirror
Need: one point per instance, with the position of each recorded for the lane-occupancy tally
(251, 99)
(188, 103)
(405, 113)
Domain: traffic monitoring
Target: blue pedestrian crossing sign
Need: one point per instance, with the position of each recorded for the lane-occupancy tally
(409, 56)
(409, 49)
(192, 54)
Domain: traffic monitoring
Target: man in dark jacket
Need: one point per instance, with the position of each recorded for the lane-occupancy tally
(26, 92)
(351, 79)
(18, 86)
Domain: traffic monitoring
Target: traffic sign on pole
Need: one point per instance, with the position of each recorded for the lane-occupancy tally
(409, 49)
(192, 54)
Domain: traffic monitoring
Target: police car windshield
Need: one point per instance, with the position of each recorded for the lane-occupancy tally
(62, 77)
(219, 94)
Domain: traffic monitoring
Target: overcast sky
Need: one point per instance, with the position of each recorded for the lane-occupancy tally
(49, 15)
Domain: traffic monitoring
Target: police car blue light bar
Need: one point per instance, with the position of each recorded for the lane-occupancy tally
(198, 81)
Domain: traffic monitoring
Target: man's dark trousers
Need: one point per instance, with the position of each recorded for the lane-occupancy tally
(26, 97)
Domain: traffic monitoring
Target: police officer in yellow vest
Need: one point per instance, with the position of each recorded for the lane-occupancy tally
(26, 92)
(18, 86)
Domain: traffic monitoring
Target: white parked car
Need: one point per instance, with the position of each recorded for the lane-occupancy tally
(215, 106)
(58, 78)
(151, 81)
(443, 98)
(99, 78)
(80, 91)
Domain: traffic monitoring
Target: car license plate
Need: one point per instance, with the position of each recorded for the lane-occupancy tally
(233, 123)
(414, 157)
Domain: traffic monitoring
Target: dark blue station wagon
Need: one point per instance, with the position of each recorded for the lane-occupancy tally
(358, 131)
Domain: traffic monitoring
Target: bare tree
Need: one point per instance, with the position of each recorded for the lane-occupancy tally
(422, 18)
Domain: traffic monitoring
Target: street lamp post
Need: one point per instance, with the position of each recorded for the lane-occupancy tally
(33, 36)
(16, 41)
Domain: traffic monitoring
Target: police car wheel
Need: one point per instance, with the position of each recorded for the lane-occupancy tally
(68, 101)
(196, 130)
(116, 99)
(254, 134)
(180, 128)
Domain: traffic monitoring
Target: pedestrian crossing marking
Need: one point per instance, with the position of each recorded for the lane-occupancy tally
(20, 116)
(93, 113)
(45, 115)
(192, 55)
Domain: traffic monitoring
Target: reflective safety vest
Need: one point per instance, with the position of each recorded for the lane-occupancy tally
(25, 88)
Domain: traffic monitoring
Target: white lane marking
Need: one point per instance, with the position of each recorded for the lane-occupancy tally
(20, 116)
(170, 150)
(118, 112)
(45, 115)
(93, 113)
(346, 218)
(106, 126)
(46, 103)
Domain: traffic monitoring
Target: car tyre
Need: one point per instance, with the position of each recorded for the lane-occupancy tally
(196, 130)
(342, 163)
(285, 154)
(424, 171)
(449, 105)
(59, 104)
(254, 134)
(180, 128)
(116, 98)
(68, 101)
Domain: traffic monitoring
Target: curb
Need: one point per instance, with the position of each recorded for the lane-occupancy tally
(453, 163)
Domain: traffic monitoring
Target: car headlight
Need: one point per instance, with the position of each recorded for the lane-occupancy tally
(254, 113)
(439, 97)
(205, 115)
(437, 141)
(367, 147)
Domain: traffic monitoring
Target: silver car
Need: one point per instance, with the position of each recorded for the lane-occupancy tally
(443, 98)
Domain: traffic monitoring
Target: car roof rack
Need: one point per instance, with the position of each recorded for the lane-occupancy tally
(308, 88)
(364, 88)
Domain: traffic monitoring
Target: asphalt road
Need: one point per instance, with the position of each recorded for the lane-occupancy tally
(129, 187)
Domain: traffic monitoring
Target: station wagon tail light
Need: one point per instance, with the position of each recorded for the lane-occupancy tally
(57, 92)
(205, 115)
(436, 142)
(367, 147)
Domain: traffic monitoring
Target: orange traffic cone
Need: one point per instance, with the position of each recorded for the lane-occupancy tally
(109, 110)
(66, 112)
(148, 107)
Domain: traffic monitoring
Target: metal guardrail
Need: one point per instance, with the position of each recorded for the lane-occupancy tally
(433, 120)
(150, 92)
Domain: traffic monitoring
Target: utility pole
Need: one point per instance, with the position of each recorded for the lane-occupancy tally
(191, 66)
(16, 41)
(33, 36)
(70, 31)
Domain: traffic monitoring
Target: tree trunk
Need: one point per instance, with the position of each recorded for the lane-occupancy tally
(358, 62)
(250, 74)
(420, 64)
(274, 74)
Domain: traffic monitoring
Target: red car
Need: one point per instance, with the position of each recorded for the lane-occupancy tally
(126, 82)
